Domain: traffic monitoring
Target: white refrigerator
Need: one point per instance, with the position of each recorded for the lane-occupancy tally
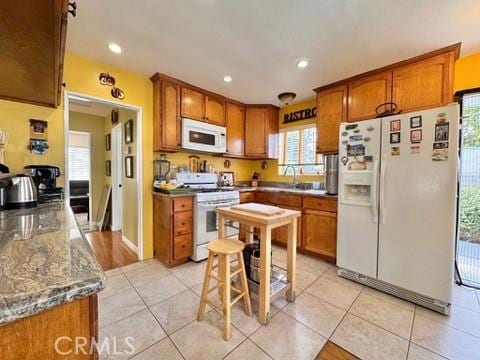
(397, 204)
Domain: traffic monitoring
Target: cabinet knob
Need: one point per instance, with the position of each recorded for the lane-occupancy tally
(206, 117)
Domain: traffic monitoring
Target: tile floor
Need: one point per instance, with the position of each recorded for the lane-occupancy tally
(158, 306)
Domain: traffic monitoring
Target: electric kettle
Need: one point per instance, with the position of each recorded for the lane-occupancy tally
(21, 192)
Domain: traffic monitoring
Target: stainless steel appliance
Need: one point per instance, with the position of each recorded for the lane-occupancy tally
(199, 136)
(21, 192)
(331, 174)
(45, 178)
(207, 198)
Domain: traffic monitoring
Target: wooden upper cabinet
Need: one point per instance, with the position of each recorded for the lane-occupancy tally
(424, 84)
(331, 111)
(193, 104)
(33, 36)
(365, 94)
(166, 114)
(235, 117)
(215, 110)
(261, 132)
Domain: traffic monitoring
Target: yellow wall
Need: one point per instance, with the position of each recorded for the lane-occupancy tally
(467, 72)
(81, 75)
(95, 126)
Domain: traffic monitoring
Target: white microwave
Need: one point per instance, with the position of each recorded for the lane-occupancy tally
(200, 136)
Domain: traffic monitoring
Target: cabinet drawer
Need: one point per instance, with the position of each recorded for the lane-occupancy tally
(317, 203)
(182, 204)
(182, 246)
(182, 223)
(279, 199)
(247, 197)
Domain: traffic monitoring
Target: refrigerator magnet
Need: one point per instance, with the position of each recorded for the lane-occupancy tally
(395, 151)
(415, 149)
(395, 138)
(415, 122)
(441, 131)
(395, 125)
(440, 145)
(416, 136)
(440, 154)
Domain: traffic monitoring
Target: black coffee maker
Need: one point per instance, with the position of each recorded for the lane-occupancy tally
(45, 178)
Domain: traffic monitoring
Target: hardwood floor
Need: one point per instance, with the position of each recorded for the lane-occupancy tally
(332, 351)
(110, 250)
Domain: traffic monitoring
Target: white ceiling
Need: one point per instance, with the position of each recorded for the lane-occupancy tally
(90, 107)
(258, 42)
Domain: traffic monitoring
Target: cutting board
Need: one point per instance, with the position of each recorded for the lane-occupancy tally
(261, 209)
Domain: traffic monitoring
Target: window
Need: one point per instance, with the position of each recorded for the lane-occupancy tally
(298, 149)
(79, 155)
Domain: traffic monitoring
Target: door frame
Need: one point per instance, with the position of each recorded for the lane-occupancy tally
(89, 134)
(117, 171)
(138, 168)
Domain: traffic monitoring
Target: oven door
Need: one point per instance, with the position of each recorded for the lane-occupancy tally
(207, 222)
(201, 136)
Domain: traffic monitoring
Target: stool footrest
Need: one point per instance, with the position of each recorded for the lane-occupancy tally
(215, 277)
(237, 290)
(238, 271)
(237, 298)
(218, 306)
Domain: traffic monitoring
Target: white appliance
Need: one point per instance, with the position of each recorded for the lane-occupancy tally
(208, 197)
(397, 204)
(200, 136)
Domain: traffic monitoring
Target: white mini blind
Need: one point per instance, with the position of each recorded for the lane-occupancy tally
(79, 157)
(297, 147)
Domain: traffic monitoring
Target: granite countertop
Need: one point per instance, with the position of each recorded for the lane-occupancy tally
(158, 193)
(45, 261)
(317, 193)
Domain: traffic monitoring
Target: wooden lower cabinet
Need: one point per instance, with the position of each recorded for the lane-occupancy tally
(320, 232)
(172, 229)
(317, 228)
(35, 337)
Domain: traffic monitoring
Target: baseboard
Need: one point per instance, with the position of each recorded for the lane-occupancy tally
(132, 247)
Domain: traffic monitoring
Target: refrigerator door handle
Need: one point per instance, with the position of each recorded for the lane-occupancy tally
(383, 169)
(373, 192)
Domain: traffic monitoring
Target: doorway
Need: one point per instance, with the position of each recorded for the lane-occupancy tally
(115, 234)
(468, 240)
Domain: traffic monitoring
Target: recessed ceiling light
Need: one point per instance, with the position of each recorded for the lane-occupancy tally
(227, 78)
(302, 64)
(115, 48)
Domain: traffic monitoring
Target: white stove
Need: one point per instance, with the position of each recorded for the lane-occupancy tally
(208, 197)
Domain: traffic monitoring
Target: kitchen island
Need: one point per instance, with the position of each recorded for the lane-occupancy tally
(49, 279)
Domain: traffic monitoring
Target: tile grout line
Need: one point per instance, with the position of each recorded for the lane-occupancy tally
(158, 322)
(411, 330)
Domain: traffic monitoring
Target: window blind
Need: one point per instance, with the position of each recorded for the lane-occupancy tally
(297, 147)
(79, 163)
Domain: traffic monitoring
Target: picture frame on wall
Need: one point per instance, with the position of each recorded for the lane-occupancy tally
(108, 167)
(129, 167)
(129, 132)
(108, 142)
(114, 116)
(38, 129)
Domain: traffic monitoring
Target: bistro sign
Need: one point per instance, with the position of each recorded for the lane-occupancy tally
(300, 115)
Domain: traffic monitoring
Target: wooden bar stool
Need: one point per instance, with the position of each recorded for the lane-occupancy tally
(222, 249)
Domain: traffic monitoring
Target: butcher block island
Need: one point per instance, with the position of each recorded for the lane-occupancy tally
(48, 285)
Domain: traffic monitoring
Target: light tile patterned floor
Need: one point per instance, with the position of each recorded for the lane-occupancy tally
(157, 306)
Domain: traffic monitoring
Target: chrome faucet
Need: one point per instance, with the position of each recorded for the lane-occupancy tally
(294, 181)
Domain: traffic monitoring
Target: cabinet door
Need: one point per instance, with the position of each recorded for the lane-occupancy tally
(193, 104)
(256, 127)
(365, 94)
(320, 232)
(331, 111)
(425, 84)
(170, 116)
(215, 110)
(235, 129)
(281, 233)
